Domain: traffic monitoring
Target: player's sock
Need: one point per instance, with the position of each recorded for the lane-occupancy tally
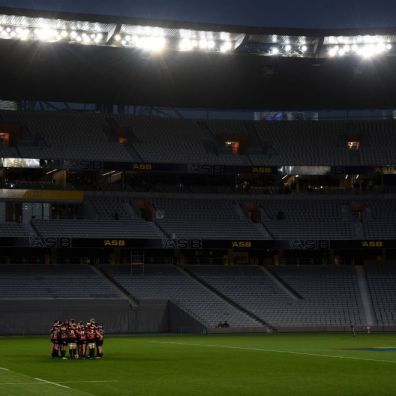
(92, 353)
(63, 353)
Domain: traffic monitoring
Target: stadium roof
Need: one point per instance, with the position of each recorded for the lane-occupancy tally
(104, 59)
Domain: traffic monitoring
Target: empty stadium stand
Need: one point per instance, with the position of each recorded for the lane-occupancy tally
(320, 297)
(136, 228)
(326, 219)
(169, 283)
(381, 279)
(206, 219)
(70, 136)
(40, 282)
(85, 136)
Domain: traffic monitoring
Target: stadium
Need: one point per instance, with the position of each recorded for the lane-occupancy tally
(221, 198)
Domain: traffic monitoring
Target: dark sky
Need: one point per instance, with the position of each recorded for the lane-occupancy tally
(290, 13)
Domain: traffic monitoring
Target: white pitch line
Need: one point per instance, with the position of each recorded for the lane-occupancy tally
(4, 369)
(275, 351)
(52, 383)
(23, 383)
(43, 382)
(83, 382)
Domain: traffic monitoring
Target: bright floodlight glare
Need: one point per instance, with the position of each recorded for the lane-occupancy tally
(304, 48)
(226, 46)
(211, 44)
(86, 39)
(274, 51)
(225, 36)
(45, 33)
(186, 45)
(24, 34)
(288, 48)
(153, 44)
(333, 51)
(99, 37)
(203, 44)
(185, 34)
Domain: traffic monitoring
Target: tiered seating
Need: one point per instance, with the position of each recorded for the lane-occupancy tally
(330, 296)
(167, 282)
(33, 281)
(14, 230)
(380, 219)
(135, 228)
(168, 140)
(206, 219)
(71, 136)
(308, 219)
(302, 143)
(252, 289)
(109, 207)
(83, 136)
(231, 129)
(381, 279)
(378, 139)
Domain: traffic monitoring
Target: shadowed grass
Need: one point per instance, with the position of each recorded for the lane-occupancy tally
(297, 364)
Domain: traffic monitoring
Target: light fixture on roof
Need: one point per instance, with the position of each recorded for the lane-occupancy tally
(186, 44)
(226, 46)
(274, 51)
(367, 46)
(46, 33)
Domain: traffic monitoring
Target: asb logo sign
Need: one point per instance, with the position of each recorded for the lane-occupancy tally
(114, 242)
(372, 244)
(182, 244)
(309, 245)
(242, 244)
(50, 242)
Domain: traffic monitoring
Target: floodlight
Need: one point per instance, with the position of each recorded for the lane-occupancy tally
(226, 46)
(225, 36)
(333, 51)
(45, 33)
(203, 44)
(274, 51)
(153, 44)
(186, 45)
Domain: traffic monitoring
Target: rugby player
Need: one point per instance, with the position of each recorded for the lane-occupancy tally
(72, 339)
(99, 341)
(81, 340)
(91, 339)
(54, 335)
(63, 338)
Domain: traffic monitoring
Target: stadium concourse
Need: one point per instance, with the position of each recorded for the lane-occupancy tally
(146, 201)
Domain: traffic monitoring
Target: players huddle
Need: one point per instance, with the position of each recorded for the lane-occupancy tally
(84, 340)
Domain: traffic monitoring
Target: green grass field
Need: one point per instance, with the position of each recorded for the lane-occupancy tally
(283, 364)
